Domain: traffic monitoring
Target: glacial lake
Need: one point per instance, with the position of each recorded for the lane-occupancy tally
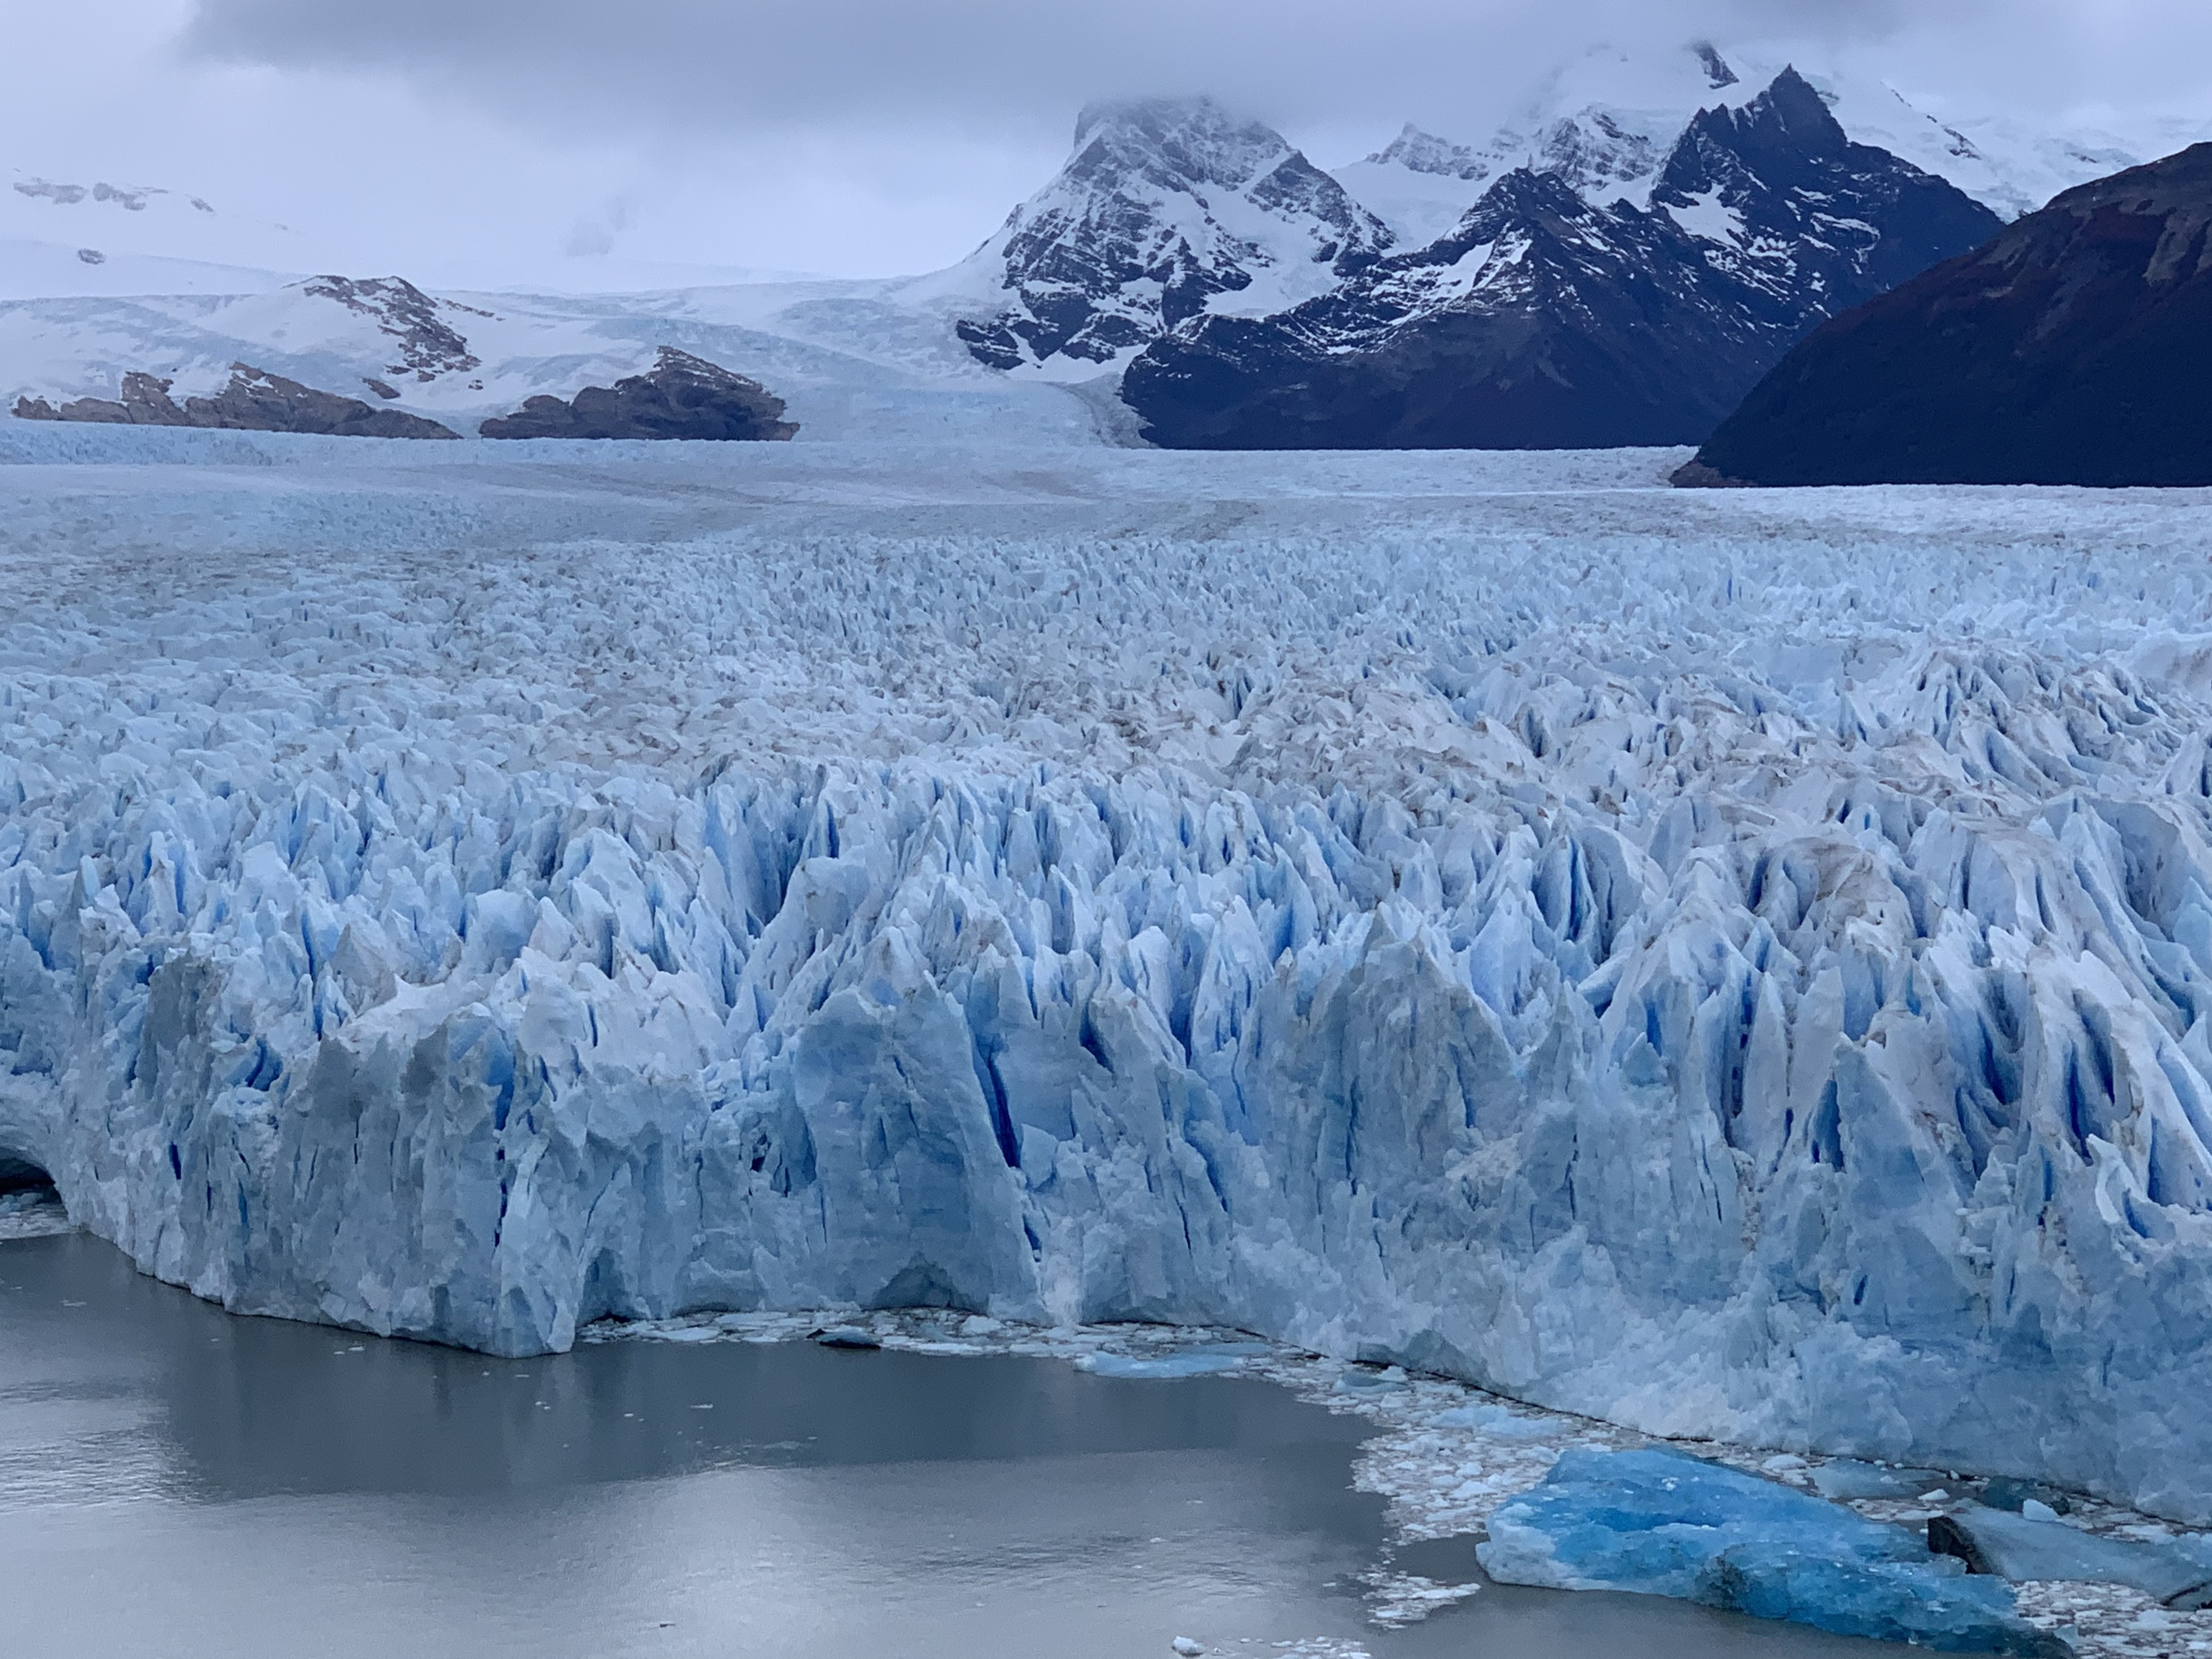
(180, 1484)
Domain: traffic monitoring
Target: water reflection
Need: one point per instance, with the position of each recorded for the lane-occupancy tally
(175, 1480)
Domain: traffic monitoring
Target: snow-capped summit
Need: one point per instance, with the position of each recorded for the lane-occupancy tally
(1168, 209)
(1423, 152)
(1550, 319)
(1607, 120)
(1794, 207)
(1598, 125)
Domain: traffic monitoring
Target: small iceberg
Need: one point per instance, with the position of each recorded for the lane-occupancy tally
(1499, 1423)
(1847, 1479)
(1210, 1360)
(1661, 1522)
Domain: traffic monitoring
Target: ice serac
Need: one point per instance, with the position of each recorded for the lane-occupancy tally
(1167, 209)
(2073, 349)
(1545, 319)
(1660, 1523)
(1728, 972)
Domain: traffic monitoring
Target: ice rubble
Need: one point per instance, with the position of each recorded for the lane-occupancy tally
(1730, 966)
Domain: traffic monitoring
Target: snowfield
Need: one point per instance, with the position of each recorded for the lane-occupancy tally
(1732, 963)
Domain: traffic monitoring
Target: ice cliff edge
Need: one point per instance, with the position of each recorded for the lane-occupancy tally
(1721, 1043)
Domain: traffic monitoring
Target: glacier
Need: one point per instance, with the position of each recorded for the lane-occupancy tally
(1730, 963)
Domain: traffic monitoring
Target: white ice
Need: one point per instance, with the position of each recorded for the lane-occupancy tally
(1730, 963)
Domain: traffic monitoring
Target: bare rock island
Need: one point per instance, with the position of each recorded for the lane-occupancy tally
(680, 397)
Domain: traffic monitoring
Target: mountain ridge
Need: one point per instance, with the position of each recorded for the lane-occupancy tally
(2071, 349)
(1546, 320)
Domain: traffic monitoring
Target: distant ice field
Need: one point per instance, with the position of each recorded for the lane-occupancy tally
(1730, 962)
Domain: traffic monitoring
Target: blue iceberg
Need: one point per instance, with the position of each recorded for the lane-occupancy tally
(1661, 1523)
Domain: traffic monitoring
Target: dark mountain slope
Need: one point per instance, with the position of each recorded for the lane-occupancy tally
(1543, 322)
(2076, 348)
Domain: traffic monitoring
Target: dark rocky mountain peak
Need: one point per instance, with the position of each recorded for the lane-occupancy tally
(2073, 348)
(1717, 72)
(1797, 209)
(1544, 320)
(1786, 127)
(1165, 204)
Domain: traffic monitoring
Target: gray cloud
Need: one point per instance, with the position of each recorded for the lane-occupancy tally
(988, 66)
(864, 136)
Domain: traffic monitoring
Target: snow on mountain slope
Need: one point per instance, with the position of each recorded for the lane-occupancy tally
(1736, 964)
(62, 237)
(849, 359)
(33, 270)
(1418, 185)
(1607, 120)
(1545, 318)
(1168, 209)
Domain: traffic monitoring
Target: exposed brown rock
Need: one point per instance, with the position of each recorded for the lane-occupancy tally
(680, 397)
(254, 401)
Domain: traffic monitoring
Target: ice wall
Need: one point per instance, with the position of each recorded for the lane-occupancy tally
(1730, 970)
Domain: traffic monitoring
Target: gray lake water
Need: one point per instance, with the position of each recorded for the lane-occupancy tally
(176, 1483)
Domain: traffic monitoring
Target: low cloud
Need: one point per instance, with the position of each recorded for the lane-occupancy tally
(984, 65)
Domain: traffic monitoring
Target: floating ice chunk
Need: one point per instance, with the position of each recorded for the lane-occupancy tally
(847, 1336)
(1661, 1523)
(1207, 1361)
(1847, 1480)
(2025, 1546)
(1499, 1423)
(1185, 1646)
(2006, 1493)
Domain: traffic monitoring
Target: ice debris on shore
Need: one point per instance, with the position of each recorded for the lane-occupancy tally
(1446, 1456)
(1734, 968)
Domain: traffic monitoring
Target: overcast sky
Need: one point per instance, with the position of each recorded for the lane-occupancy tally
(872, 136)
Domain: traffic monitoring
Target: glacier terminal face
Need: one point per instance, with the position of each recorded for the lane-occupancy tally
(1732, 963)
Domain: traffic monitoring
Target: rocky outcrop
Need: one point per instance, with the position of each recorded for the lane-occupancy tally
(2074, 349)
(427, 346)
(680, 397)
(254, 400)
(1547, 321)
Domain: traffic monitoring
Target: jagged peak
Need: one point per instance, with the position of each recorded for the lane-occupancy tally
(1418, 150)
(1521, 193)
(1158, 120)
(1790, 112)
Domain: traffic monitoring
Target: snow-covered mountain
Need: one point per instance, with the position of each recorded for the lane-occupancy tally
(1607, 121)
(2072, 349)
(851, 358)
(1549, 319)
(1168, 209)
